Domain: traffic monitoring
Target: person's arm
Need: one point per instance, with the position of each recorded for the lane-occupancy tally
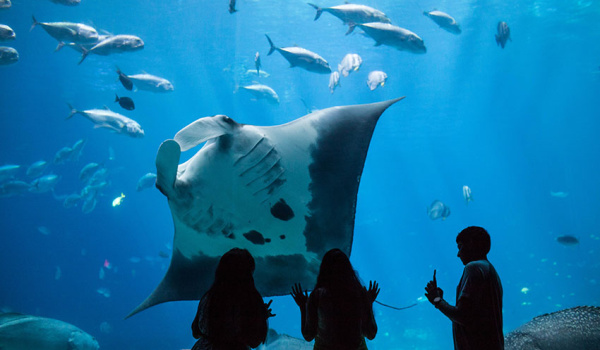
(301, 299)
(310, 325)
(254, 327)
(368, 324)
(195, 328)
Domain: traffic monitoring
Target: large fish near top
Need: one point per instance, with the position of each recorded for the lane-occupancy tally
(6, 33)
(352, 13)
(105, 118)
(444, 20)
(577, 328)
(68, 32)
(26, 332)
(262, 92)
(390, 35)
(147, 82)
(5, 4)
(115, 44)
(299, 57)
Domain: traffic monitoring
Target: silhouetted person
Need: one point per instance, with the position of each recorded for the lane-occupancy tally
(339, 312)
(477, 316)
(232, 315)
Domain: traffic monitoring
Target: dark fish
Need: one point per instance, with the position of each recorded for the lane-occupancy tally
(567, 240)
(125, 102)
(503, 34)
(124, 79)
(232, 6)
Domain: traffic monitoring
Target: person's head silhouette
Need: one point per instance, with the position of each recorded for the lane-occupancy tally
(473, 244)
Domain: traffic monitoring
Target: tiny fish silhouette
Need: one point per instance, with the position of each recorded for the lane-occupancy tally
(125, 102)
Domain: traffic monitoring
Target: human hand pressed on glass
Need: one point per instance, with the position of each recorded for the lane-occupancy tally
(432, 290)
(269, 311)
(299, 297)
(373, 291)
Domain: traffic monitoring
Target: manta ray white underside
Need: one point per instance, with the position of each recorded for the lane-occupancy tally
(287, 193)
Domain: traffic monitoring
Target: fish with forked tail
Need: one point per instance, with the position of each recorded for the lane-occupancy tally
(125, 102)
(115, 44)
(105, 118)
(299, 57)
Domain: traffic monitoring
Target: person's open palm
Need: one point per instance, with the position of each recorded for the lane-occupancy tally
(299, 297)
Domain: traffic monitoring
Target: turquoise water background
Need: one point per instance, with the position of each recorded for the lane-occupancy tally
(514, 124)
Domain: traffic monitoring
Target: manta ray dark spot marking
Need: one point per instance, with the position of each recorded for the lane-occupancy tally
(255, 237)
(268, 240)
(282, 236)
(282, 211)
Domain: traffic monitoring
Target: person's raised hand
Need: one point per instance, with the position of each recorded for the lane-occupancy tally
(299, 297)
(373, 291)
(269, 311)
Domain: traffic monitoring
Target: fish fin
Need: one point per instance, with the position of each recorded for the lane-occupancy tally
(106, 126)
(73, 111)
(319, 11)
(59, 46)
(116, 98)
(84, 54)
(167, 162)
(351, 26)
(273, 48)
(35, 23)
(118, 70)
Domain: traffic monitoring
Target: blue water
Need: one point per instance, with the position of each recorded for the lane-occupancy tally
(513, 124)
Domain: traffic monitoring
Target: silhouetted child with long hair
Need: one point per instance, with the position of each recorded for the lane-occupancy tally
(338, 314)
(232, 315)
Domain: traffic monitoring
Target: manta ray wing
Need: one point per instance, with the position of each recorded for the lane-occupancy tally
(286, 193)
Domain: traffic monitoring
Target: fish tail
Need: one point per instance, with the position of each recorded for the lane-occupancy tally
(35, 22)
(59, 46)
(319, 11)
(273, 48)
(351, 26)
(84, 54)
(73, 111)
(116, 98)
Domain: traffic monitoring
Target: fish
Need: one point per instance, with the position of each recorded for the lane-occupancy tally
(262, 92)
(353, 13)
(37, 169)
(577, 328)
(124, 79)
(77, 149)
(68, 32)
(5, 4)
(14, 187)
(467, 194)
(67, 2)
(44, 184)
(98, 176)
(71, 200)
(105, 118)
(299, 57)
(117, 201)
(287, 193)
(125, 102)
(81, 47)
(8, 55)
(23, 332)
(376, 78)
(444, 20)
(503, 34)
(393, 36)
(146, 181)
(115, 44)
(6, 33)
(350, 63)
(63, 155)
(88, 170)
(438, 210)
(232, 6)
(567, 240)
(334, 81)
(149, 82)
(8, 171)
(559, 194)
(257, 63)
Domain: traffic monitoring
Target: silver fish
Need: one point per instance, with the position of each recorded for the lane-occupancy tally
(87, 171)
(350, 63)
(63, 155)
(6, 33)
(105, 118)
(149, 82)
(300, 57)
(438, 210)
(77, 148)
(444, 20)
(376, 78)
(467, 194)
(36, 169)
(503, 34)
(146, 181)
(67, 2)
(68, 32)
(44, 184)
(334, 81)
(390, 35)
(8, 55)
(8, 171)
(115, 44)
(5, 4)
(262, 92)
(352, 13)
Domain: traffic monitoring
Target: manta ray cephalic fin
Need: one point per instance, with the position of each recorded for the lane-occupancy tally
(167, 160)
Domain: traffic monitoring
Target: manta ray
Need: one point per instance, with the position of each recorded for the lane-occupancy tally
(286, 193)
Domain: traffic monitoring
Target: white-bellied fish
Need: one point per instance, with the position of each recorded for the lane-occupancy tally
(152, 83)
(393, 36)
(444, 20)
(105, 118)
(262, 92)
(8, 55)
(6, 33)
(146, 181)
(115, 44)
(37, 169)
(376, 78)
(300, 57)
(334, 81)
(467, 194)
(503, 34)
(8, 171)
(5, 4)
(68, 32)
(13, 188)
(350, 63)
(353, 13)
(44, 184)
(438, 210)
